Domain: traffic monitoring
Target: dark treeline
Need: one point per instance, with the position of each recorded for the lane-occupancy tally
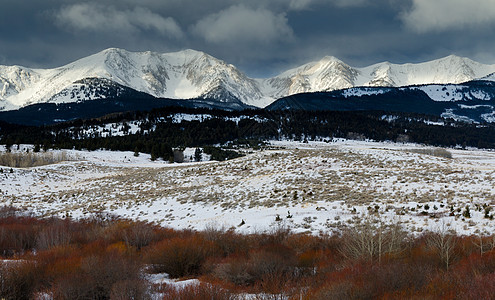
(158, 133)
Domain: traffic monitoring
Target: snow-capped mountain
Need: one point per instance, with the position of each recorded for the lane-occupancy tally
(180, 75)
(192, 74)
(327, 74)
(331, 74)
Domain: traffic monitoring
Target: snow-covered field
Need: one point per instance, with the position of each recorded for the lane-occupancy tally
(312, 187)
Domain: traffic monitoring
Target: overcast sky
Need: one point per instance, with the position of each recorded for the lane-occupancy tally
(261, 37)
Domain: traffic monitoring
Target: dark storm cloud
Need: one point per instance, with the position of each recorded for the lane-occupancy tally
(99, 18)
(261, 37)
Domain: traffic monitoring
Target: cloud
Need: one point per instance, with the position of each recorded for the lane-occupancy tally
(441, 15)
(350, 3)
(310, 4)
(100, 18)
(239, 23)
(299, 4)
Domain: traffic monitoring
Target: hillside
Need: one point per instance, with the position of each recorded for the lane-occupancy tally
(469, 102)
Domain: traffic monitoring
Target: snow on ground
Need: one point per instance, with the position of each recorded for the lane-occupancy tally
(362, 91)
(448, 92)
(449, 114)
(164, 279)
(309, 187)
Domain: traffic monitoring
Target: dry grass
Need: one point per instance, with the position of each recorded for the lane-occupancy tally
(28, 160)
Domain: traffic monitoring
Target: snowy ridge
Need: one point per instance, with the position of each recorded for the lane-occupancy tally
(325, 75)
(451, 69)
(450, 92)
(331, 74)
(193, 74)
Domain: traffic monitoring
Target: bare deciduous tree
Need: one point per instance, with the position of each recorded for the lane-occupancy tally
(369, 241)
(484, 242)
(140, 234)
(57, 234)
(443, 241)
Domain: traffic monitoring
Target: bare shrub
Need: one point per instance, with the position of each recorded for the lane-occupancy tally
(369, 242)
(56, 234)
(235, 270)
(8, 212)
(484, 243)
(226, 240)
(271, 267)
(180, 256)
(27, 160)
(278, 234)
(18, 235)
(272, 260)
(477, 287)
(97, 276)
(443, 242)
(130, 289)
(139, 234)
(340, 290)
(75, 286)
(17, 280)
(439, 152)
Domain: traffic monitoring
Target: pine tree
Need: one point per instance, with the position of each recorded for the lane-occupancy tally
(198, 154)
(154, 153)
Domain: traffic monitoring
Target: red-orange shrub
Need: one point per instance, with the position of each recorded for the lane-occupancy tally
(55, 234)
(337, 290)
(17, 237)
(271, 268)
(96, 277)
(18, 280)
(227, 241)
(180, 256)
(234, 269)
(202, 291)
(130, 289)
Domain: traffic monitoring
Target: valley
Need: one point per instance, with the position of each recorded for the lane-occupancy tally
(308, 187)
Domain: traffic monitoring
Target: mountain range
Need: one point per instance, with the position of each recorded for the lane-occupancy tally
(196, 75)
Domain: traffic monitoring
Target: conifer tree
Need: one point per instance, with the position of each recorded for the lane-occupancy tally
(198, 154)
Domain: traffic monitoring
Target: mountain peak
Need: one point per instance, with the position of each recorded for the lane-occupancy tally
(192, 52)
(113, 51)
(453, 57)
(329, 58)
